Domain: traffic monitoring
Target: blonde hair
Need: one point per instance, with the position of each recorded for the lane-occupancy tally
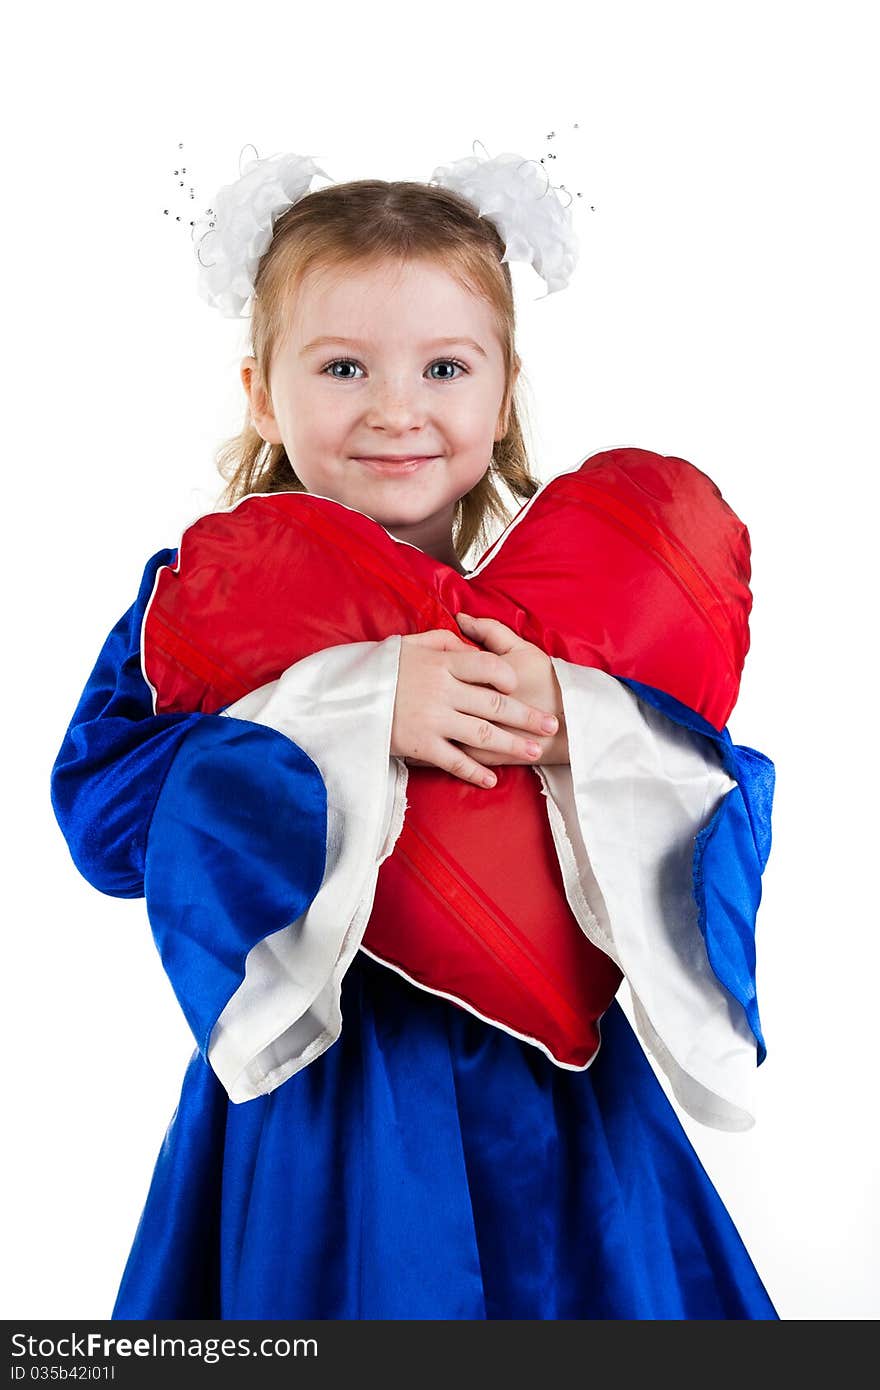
(363, 223)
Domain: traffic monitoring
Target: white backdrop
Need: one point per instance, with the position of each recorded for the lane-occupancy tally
(725, 310)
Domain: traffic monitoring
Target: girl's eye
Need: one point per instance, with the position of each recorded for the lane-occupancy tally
(447, 362)
(349, 362)
(340, 362)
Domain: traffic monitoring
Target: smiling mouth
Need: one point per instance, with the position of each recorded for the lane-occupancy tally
(391, 464)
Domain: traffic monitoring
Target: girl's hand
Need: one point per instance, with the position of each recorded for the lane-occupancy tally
(536, 684)
(451, 694)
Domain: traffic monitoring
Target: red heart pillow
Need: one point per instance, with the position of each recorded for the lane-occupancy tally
(632, 563)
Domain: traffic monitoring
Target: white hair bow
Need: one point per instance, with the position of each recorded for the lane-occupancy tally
(514, 192)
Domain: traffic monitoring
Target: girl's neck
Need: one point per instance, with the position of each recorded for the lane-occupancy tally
(447, 558)
(435, 540)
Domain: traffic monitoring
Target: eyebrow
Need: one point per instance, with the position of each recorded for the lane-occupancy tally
(355, 342)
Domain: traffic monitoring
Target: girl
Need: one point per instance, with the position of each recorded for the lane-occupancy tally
(413, 1161)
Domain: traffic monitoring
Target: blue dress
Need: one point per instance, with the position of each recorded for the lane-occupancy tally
(428, 1164)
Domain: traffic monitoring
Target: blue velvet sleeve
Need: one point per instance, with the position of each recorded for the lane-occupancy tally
(219, 822)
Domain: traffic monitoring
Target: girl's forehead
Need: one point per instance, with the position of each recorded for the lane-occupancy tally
(395, 277)
(327, 297)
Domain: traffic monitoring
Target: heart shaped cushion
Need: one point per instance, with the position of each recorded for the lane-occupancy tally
(632, 562)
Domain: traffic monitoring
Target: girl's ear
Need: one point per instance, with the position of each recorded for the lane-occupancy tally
(260, 406)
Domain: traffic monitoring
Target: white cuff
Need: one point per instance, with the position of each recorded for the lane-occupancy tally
(624, 816)
(338, 706)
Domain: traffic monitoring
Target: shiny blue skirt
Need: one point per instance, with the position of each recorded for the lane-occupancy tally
(429, 1165)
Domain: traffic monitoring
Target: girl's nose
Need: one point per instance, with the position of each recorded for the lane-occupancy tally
(394, 406)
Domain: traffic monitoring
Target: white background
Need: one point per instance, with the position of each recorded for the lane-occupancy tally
(725, 309)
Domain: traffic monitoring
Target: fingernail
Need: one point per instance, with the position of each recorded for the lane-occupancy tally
(533, 749)
(489, 780)
(549, 724)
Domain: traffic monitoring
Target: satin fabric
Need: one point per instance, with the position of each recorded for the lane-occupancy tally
(626, 533)
(429, 1165)
(636, 791)
(631, 562)
(730, 855)
(217, 874)
(116, 754)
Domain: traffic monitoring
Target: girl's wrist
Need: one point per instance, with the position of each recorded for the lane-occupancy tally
(557, 747)
(556, 750)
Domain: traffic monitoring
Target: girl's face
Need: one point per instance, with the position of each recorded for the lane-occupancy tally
(392, 363)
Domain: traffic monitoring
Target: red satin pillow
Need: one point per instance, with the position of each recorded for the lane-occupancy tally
(632, 563)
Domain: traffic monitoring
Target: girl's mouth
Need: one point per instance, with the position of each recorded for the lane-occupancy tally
(391, 466)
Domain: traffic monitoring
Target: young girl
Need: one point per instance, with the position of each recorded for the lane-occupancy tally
(392, 1155)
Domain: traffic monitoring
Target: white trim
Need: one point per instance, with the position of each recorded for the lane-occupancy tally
(637, 792)
(495, 1023)
(701, 1103)
(294, 1049)
(154, 694)
(578, 878)
(337, 705)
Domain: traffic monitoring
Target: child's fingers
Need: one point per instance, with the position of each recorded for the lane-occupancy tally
(486, 758)
(483, 735)
(450, 758)
(492, 705)
(438, 639)
(477, 667)
(491, 632)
